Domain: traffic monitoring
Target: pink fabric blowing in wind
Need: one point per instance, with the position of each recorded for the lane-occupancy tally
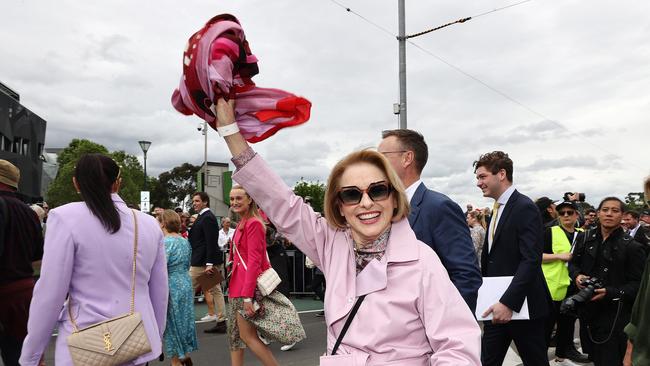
(218, 63)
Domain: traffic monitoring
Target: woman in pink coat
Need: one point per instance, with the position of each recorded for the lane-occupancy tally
(89, 256)
(412, 315)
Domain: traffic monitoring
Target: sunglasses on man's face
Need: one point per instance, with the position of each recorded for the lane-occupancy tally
(377, 191)
(566, 213)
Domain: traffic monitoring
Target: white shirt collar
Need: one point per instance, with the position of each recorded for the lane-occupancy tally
(635, 229)
(410, 191)
(205, 209)
(505, 196)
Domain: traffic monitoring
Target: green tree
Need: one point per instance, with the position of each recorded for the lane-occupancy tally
(159, 195)
(314, 190)
(132, 175)
(634, 201)
(177, 183)
(61, 190)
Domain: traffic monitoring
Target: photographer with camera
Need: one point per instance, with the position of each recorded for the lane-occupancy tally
(605, 306)
(558, 246)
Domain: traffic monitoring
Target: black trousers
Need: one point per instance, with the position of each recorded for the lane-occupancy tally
(318, 286)
(10, 348)
(564, 333)
(604, 335)
(528, 336)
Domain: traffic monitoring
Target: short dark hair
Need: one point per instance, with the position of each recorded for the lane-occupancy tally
(412, 141)
(589, 210)
(203, 196)
(612, 198)
(495, 161)
(632, 213)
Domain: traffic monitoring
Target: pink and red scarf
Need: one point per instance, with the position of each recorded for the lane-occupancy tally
(218, 63)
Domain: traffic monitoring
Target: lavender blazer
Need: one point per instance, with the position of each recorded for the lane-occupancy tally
(412, 315)
(83, 259)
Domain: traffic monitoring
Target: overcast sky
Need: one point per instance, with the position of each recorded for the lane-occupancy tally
(105, 71)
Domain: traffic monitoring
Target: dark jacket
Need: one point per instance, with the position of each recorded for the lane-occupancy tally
(618, 262)
(517, 251)
(21, 239)
(204, 239)
(438, 222)
(642, 236)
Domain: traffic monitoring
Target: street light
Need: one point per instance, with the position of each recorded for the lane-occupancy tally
(144, 145)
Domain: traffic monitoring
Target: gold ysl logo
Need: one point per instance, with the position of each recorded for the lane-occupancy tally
(108, 346)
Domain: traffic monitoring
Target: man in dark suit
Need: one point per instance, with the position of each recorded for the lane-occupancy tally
(638, 232)
(435, 219)
(513, 247)
(206, 258)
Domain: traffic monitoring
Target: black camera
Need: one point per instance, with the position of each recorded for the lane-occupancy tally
(569, 304)
(581, 196)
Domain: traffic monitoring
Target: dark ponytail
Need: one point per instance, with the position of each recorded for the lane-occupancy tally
(95, 174)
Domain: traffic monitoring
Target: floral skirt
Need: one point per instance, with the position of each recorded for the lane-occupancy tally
(278, 321)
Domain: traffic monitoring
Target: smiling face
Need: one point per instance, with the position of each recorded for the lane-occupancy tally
(367, 219)
(240, 202)
(198, 204)
(492, 185)
(629, 222)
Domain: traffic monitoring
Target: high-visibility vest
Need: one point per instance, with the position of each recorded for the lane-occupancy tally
(556, 273)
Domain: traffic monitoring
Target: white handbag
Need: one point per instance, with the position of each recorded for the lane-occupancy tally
(267, 280)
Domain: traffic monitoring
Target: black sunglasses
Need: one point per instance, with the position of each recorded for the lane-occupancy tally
(377, 191)
(566, 213)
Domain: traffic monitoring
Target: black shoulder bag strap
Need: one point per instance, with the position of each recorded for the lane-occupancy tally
(4, 223)
(347, 323)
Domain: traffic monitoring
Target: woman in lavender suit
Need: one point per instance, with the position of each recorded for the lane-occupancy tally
(89, 255)
(412, 315)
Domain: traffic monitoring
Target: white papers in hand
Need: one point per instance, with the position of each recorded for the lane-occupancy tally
(490, 293)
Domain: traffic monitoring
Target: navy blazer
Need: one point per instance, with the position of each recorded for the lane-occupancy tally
(438, 221)
(517, 251)
(204, 240)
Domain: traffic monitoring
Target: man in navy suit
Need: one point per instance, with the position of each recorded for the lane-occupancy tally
(435, 219)
(513, 247)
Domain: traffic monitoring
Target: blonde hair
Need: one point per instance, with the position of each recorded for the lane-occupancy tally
(253, 209)
(331, 204)
(171, 221)
(479, 217)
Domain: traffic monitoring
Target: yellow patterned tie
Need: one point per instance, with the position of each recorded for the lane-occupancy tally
(495, 216)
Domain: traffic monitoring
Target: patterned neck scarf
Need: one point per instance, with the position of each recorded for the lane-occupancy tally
(376, 250)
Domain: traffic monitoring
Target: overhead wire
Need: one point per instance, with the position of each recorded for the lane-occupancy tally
(462, 20)
(467, 74)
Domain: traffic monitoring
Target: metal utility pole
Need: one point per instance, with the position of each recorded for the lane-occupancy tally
(401, 38)
(144, 145)
(205, 156)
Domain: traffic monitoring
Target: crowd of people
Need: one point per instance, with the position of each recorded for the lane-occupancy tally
(387, 246)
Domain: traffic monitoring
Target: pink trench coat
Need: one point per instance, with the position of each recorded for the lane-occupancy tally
(412, 315)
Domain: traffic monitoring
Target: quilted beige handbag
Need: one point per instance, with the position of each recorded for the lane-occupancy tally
(268, 280)
(114, 341)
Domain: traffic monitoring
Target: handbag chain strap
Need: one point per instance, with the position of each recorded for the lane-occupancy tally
(135, 253)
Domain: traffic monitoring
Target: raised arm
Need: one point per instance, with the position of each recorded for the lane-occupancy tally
(293, 218)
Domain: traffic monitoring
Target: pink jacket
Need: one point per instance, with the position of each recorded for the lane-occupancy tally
(251, 244)
(412, 316)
